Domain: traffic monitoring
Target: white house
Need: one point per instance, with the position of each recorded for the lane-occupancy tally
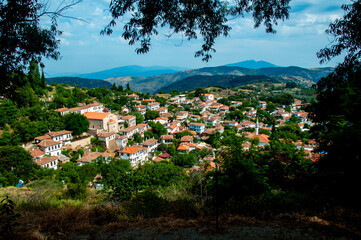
(153, 106)
(135, 155)
(198, 127)
(50, 147)
(48, 162)
(150, 144)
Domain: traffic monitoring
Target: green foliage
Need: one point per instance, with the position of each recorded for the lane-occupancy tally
(15, 164)
(283, 99)
(76, 123)
(139, 117)
(163, 173)
(8, 217)
(208, 17)
(76, 191)
(8, 112)
(19, 26)
(185, 160)
(151, 115)
(158, 129)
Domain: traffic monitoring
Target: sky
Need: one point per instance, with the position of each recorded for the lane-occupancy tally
(84, 50)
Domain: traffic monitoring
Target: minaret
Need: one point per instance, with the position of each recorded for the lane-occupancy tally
(256, 126)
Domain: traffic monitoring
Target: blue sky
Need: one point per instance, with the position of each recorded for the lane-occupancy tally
(296, 42)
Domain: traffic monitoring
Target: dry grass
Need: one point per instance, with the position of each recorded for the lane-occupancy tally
(67, 217)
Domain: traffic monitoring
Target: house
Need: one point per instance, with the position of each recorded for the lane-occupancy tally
(181, 115)
(166, 139)
(208, 96)
(94, 107)
(150, 145)
(141, 108)
(133, 96)
(129, 131)
(102, 121)
(262, 104)
(153, 106)
(142, 128)
(64, 136)
(91, 157)
(130, 119)
(124, 110)
(198, 127)
(224, 109)
(247, 124)
(230, 123)
(48, 162)
(186, 147)
(172, 128)
(210, 120)
(50, 147)
(121, 141)
(162, 110)
(151, 100)
(36, 154)
(62, 111)
(135, 155)
(188, 139)
(106, 138)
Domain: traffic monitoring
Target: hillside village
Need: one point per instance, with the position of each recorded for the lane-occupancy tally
(181, 124)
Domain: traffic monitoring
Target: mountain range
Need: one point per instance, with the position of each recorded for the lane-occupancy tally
(153, 79)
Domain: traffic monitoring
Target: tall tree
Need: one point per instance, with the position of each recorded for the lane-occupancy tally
(207, 18)
(23, 40)
(339, 101)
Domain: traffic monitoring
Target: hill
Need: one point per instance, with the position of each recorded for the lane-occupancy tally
(131, 71)
(302, 76)
(82, 82)
(252, 64)
(219, 80)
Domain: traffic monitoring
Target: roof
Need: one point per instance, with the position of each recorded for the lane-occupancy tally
(59, 133)
(164, 155)
(167, 137)
(91, 156)
(104, 134)
(128, 117)
(47, 143)
(46, 160)
(130, 150)
(187, 139)
(96, 115)
(149, 142)
(197, 124)
(36, 153)
(61, 109)
(183, 148)
(43, 137)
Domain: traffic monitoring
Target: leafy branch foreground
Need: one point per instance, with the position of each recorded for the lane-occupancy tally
(49, 213)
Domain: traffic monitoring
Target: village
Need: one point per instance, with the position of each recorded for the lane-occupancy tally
(116, 131)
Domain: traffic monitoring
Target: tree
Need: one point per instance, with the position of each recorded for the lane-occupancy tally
(21, 38)
(207, 18)
(338, 102)
(15, 164)
(76, 123)
(139, 117)
(151, 115)
(346, 33)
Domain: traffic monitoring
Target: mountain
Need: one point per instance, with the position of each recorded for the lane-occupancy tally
(218, 80)
(131, 71)
(82, 82)
(251, 64)
(152, 84)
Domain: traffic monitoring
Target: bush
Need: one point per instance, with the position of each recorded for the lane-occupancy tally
(76, 191)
